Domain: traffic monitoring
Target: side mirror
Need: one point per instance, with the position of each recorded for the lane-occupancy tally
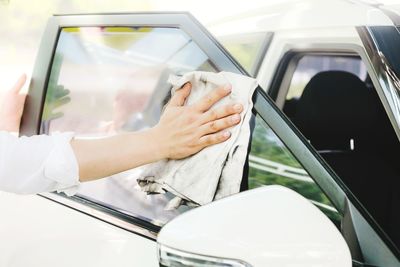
(269, 226)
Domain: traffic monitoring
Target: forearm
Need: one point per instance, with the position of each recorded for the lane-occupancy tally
(104, 157)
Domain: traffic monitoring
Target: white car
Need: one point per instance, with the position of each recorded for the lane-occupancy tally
(321, 183)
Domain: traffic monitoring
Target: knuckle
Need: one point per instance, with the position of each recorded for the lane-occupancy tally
(209, 100)
(220, 92)
(231, 109)
(207, 140)
(211, 139)
(213, 126)
(213, 115)
(228, 122)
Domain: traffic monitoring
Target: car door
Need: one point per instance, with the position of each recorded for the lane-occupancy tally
(98, 75)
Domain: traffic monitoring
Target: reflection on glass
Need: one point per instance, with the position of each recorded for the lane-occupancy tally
(246, 48)
(106, 80)
(271, 163)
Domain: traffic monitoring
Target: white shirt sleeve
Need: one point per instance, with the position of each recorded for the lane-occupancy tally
(42, 163)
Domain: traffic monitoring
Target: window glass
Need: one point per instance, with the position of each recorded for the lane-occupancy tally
(247, 48)
(106, 80)
(271, 163)
(309, 65)
(342, 116)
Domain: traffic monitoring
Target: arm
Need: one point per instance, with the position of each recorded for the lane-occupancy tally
(48, 163)
(181, 132)
(12, 107)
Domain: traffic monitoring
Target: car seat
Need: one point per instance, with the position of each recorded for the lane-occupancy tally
(346, 123)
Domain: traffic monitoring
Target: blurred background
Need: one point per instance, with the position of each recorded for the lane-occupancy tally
(22, 23)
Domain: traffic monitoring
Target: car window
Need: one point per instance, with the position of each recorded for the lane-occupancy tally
(113, 79)
(107, 80)
(271, 163)
(248, 49)
(333, 102)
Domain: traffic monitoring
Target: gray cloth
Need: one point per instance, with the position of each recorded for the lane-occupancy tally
(216, 171)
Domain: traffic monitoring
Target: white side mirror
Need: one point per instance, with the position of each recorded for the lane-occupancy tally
(269, 226)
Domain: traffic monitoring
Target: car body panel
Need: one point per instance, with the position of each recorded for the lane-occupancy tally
(36, 231)
(288, 228)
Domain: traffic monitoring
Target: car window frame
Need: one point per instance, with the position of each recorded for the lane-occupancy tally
(263, 104)
(278, 89)
(385, 73)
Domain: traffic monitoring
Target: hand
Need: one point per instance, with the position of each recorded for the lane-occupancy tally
(56, 97)
(185, 130)
(12, 107)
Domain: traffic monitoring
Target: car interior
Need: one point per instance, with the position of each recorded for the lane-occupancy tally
(345, 121)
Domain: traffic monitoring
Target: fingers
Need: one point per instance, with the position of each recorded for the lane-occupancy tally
(213, 139)
(178, 99)
(221, 112)
(213, 97)
(219, 125)
(19, 84)
(61, 102)
(60, 92)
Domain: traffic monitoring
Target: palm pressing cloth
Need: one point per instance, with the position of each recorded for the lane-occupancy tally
(216, 171)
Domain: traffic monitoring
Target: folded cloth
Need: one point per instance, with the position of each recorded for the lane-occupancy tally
(216, 171)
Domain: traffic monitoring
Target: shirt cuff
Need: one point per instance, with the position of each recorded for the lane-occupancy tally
(62, 166)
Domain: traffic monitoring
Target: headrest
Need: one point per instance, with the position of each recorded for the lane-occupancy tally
(335, 106)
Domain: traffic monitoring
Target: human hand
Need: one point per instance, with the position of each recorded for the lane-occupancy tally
(12, 107)
(185, 130)
(55, 98)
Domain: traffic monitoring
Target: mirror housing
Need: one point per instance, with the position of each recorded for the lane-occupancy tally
(268, 226)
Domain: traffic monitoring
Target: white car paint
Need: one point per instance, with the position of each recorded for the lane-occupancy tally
(268, 226)
(37, 232)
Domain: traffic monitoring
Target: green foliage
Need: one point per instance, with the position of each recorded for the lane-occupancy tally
(265, 144)
(56, 95)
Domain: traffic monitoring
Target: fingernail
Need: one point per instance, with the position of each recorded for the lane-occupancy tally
(235, 118)
(226, 134)
(228, 87)
(237, 107)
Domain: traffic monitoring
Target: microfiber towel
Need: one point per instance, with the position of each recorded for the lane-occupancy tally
(216, 171)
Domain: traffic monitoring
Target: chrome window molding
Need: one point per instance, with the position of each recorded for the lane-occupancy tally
(105, 214)
(386, 76)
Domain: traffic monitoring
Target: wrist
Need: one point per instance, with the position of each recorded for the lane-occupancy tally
(9, 124)
(157, 146)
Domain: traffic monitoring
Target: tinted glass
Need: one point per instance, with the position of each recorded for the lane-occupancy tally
(271, 163)
(342, 116)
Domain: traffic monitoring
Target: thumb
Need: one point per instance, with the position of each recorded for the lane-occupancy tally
(178, 99)
(19, 84)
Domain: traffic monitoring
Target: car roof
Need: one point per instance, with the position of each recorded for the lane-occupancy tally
(306, 14)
